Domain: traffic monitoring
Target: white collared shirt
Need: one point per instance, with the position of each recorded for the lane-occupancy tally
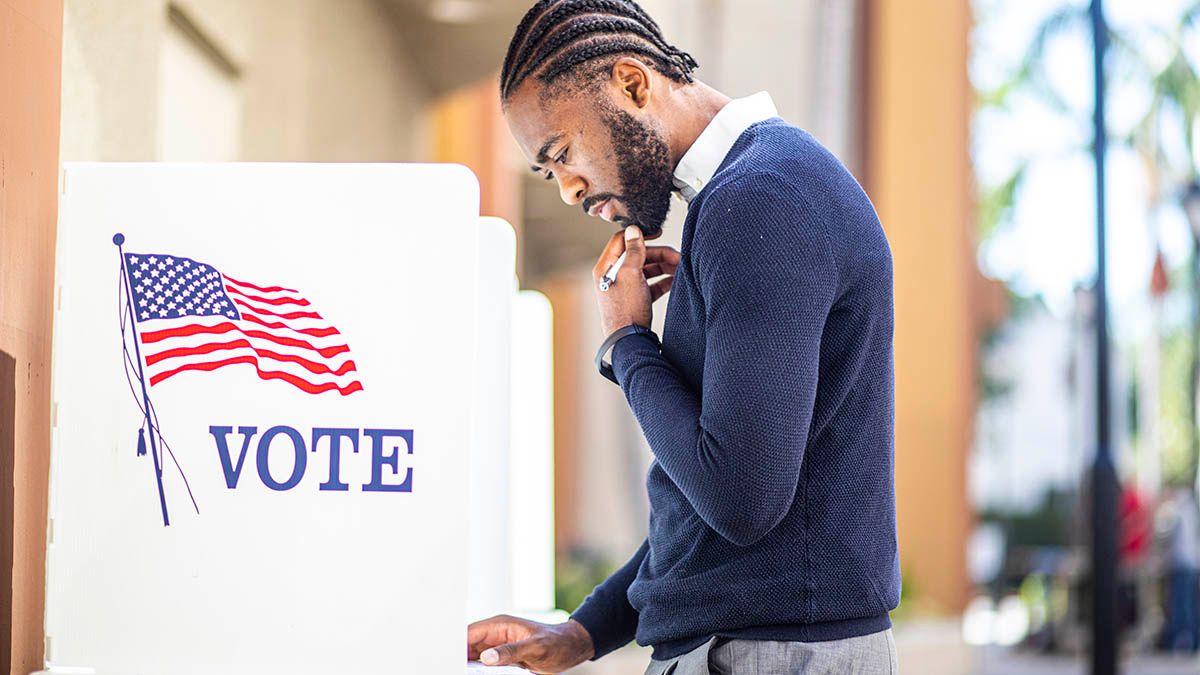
(702, 160)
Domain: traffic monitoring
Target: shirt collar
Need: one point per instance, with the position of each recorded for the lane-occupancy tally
(702, 160)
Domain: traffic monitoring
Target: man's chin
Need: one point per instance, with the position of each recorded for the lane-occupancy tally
(648, 233)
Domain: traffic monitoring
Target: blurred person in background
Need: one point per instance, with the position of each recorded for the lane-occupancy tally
(1182, 630)
(768, 404)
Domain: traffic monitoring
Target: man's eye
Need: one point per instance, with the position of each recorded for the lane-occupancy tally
(562, 158)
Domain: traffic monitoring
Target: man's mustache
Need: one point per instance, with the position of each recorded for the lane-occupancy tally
(596, 199)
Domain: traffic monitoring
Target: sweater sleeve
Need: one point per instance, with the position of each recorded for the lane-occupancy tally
(768, 277)
(606, 613)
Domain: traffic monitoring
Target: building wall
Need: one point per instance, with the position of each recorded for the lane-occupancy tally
(317, 80)
(919, 176)
(30, 60)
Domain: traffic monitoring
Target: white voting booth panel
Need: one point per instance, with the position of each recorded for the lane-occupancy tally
(331, 533)
(489, 540)
(531, 459)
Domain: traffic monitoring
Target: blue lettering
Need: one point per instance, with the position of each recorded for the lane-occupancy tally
(378, 460)
(264, 447)
(335, 437)
(231, 472)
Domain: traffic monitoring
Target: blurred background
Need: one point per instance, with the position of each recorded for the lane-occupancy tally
(967, 122)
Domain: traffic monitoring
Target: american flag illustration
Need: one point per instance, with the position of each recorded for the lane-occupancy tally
(192, 317)
(179, 315)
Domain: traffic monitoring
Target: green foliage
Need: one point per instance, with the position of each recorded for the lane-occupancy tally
(1175, 418)
(576, 574)
(908, 594)
(996, 202)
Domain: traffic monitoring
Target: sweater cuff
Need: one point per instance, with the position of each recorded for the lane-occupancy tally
(598, 622)
(631, 350)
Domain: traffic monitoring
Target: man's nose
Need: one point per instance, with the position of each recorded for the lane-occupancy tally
(571, 188)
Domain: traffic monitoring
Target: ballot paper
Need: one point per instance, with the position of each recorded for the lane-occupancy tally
(474, 667)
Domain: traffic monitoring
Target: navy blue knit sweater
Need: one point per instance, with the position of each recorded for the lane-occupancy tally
(769, 412)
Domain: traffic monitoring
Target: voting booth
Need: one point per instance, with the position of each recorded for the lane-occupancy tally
(270, 382)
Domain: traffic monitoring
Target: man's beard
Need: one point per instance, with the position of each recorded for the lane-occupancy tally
(644, 168)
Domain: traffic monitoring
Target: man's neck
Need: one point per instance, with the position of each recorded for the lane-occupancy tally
(693, 108)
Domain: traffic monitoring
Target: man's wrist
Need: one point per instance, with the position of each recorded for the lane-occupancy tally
(606, 368)
(580, 639)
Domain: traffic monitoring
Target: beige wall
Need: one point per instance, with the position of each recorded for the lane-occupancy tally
(320, 80)
(30, 44)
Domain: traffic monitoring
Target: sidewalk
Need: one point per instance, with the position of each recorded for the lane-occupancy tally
(995, 661)
(935, 647)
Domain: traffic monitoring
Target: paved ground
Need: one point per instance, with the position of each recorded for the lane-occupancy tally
(936, 648)
(1008, 663)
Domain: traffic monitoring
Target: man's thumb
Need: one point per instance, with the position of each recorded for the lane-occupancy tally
(506, 654)
(635, 247)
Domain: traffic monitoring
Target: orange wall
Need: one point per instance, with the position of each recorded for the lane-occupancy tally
(468, 128)
(919, 177)
(30, 64)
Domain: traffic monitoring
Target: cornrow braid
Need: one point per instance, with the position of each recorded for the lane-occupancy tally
(556, 36)
(594, 50)
(568, 10)
(587, 26)
(519, 35)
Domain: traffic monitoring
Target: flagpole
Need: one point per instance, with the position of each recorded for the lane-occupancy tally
(119, 240)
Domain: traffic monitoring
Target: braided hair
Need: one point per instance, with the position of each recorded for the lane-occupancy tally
(557, 36)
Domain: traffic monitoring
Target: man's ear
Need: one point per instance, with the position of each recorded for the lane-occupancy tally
(633, 78)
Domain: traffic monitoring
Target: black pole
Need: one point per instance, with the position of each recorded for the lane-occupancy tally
(119, 239)
(1105, 634)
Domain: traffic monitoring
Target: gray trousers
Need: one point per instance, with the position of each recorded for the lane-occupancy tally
(873, 654)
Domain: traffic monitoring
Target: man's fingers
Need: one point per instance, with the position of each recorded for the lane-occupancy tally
(657, 269)
(612, 251)
(494, 631)
(662, 254)
(660, 288)
(511, 653)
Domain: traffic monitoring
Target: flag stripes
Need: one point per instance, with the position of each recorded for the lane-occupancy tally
(193, 318)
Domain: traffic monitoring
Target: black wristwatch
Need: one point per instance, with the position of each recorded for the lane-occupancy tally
(606, 369)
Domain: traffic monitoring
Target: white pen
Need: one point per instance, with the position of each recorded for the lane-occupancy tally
(610, 277)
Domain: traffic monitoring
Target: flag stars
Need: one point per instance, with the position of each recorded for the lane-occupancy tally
(170, 287)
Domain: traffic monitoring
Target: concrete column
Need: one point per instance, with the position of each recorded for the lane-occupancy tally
(919, 178)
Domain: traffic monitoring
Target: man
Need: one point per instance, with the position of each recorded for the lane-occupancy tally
(768, 404)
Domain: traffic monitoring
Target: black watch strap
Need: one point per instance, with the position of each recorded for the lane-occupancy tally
(605, 368)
